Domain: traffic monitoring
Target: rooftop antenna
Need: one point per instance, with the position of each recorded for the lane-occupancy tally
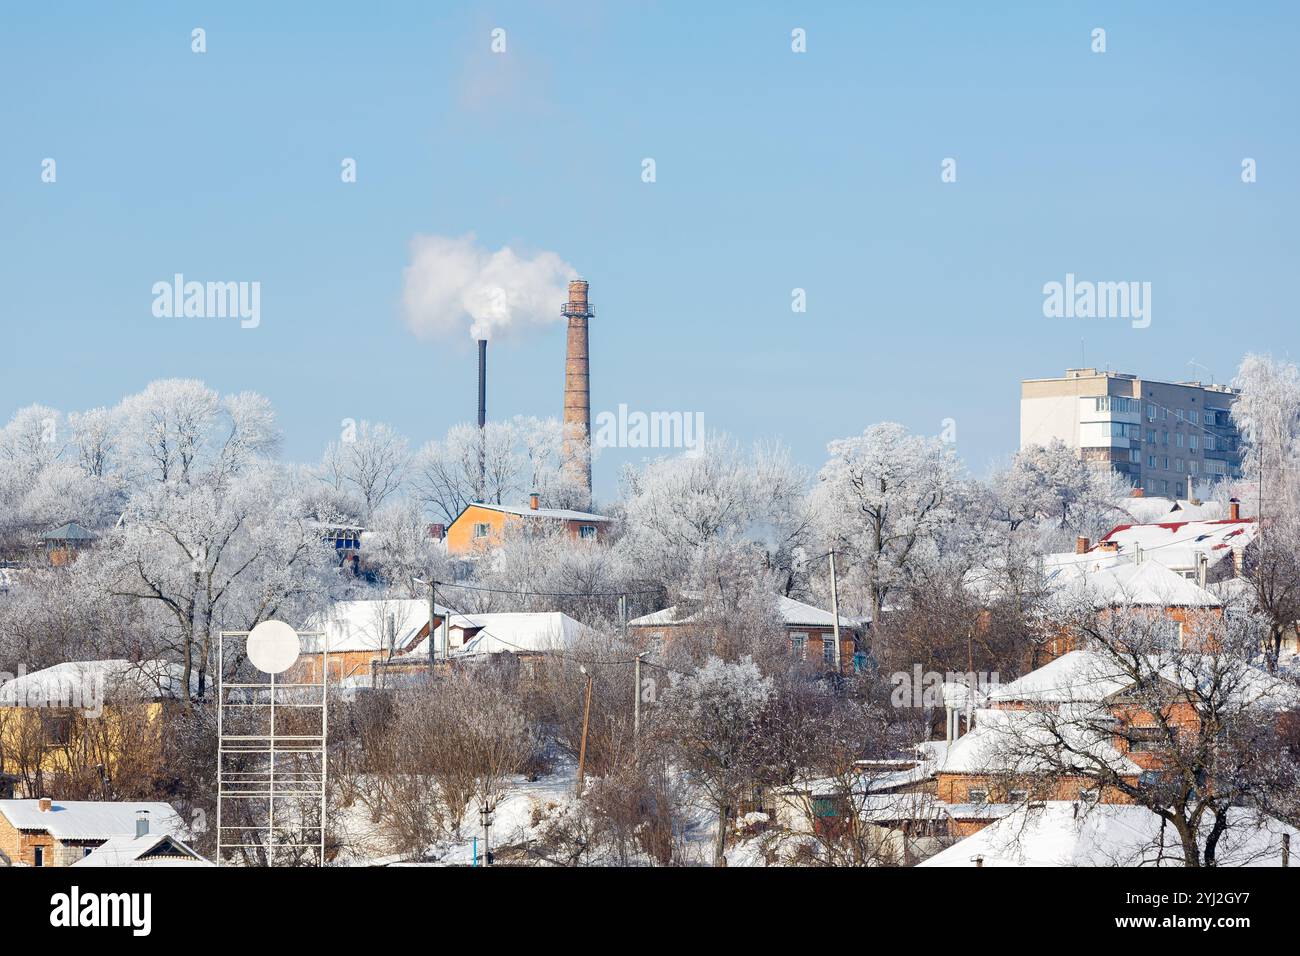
(1196, 364)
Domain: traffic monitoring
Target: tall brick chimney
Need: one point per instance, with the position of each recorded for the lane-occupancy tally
(577, 387)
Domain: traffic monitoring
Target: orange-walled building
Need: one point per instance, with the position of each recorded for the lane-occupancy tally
(481, 527)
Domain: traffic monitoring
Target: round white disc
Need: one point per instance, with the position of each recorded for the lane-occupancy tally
(273, 646)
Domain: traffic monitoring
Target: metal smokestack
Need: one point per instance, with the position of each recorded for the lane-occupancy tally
(482, 415)
(482, 382)
(577, 387)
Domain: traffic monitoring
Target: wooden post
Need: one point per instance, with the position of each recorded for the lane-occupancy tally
(835, 613)
(582, 747)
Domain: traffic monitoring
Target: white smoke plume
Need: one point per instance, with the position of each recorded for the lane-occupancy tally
(453, 284)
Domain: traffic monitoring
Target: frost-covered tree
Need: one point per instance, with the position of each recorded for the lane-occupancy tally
(717, 712)
(1268, 414)
(372, 464)
(96, 435)
(676, 507)
(884, 498)
(398, 546)
(1051, 484)
(179, 429)
(215, 555)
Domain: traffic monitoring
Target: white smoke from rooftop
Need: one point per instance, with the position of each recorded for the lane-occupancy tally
(454, 285)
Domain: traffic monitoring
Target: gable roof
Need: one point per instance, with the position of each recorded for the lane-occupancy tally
(561, 514)
(1175, 544)
(131, 850)
(118, 679)
(1085, 676)
(1149, 584)
(519, 632)
(1021, 742)
(88, 819)
(793, 614)
(1065, 833)
(363, 625)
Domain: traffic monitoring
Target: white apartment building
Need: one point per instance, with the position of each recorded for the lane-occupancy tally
(1156, 434)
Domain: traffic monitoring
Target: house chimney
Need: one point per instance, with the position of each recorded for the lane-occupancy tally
(44, 804)
(534, 501)
(1202, 568)
(141, 824)
(1081, 545)
(577, 387)
(1234, 509)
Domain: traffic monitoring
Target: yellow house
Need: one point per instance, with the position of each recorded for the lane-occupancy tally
(481, 527)
(85, 726)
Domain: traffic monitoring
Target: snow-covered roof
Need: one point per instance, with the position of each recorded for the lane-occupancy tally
(1024, 741)
(560, 513)
(793, 614)
(519, 632)
(88, 819)
(1149, 584)
(78, 683)
(1175, 544)
(1066, 833)
(363, 625)
(1089, 677)
(1074, 676)
(127, 849)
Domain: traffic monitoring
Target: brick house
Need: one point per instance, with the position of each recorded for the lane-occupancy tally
(809, 631)
(481, 527)
(45, 832)
(84, 718)
(361, 633)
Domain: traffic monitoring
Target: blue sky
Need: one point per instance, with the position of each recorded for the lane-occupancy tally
(775, 170)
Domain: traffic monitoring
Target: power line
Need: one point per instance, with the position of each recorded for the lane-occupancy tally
(571, 594)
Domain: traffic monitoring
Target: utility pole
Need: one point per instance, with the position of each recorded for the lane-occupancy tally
(582, 747)
(433, 617)
(636, 710)
(835, 612)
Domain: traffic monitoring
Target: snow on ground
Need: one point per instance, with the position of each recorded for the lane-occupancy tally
(520, 817)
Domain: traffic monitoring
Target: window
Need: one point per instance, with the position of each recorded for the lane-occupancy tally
(1089, 795)
(1164, 413)
(974, 795)
(1151, 436)
(587, 531)
(482, 530)
(38, 856)
(859, 662)
(1166, 462)
(1017, 796)
(828, 649)
(1135, 455)
(798, 645)
(1209, 443)
(1179, 438)
(1193, 467)
(1144, 740)
(1151, 463)
(1178, 464)
(56, 729)
(1116, 403)
(1151, 413)
(1193, 416)
(1180, 414)
(1191, 441)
